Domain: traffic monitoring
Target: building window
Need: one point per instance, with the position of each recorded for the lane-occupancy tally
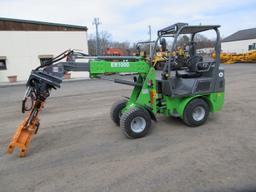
(252, 47)
(44, 58)
(3, 63)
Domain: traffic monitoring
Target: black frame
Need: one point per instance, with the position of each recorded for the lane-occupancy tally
(183, 28)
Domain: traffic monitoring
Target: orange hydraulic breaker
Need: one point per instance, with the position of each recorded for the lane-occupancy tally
(28, 127)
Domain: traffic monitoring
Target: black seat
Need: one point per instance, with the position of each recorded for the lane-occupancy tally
(192, 68)
(192, 63)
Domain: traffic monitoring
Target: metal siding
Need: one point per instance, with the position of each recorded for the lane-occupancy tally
(237, 46)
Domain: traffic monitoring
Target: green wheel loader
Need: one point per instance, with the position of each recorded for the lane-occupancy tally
(188, 88)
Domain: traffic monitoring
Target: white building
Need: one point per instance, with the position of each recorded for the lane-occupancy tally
(240, 42)
(25, 44)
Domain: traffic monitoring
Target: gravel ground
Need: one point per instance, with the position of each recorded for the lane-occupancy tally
(78, 148)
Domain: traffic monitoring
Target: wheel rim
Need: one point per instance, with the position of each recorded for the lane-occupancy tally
(198, 113)
(138, 124)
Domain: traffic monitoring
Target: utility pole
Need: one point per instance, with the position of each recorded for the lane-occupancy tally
(150, 47)
(97, 22)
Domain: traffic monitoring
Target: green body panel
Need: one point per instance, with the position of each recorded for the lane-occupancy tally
(142, 96)
(216, 101)
(176, 106)
(144, 93)
(98, 67)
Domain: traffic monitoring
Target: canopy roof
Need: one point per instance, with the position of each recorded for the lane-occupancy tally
(185, 29)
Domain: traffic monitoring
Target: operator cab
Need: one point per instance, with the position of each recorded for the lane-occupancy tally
(182, 70)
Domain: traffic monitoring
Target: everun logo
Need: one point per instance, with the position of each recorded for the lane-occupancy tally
(120, 64)
(221, 74)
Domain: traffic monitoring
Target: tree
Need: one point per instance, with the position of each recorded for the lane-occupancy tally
(124, 46)
(203, 42)
(104, 42)
(182, 40)
(92, 45)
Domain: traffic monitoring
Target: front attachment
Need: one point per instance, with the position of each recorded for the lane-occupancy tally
(39, 86)
(28, 127)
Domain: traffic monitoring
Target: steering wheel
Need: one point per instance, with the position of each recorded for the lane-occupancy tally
(193, 61)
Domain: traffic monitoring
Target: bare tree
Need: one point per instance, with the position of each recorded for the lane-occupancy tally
(104, 42)
(124, 46)
(92, 45)
(182, 41)
(203, 42)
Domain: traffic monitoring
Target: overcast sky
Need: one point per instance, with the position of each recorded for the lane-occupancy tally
(129, 19)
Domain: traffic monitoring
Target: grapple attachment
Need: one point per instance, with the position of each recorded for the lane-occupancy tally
(28, 127)
(38, 89)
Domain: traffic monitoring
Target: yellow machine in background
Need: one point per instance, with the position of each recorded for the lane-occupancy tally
(161, 57)
(230, 58)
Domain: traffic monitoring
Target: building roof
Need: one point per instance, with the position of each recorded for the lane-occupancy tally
(9, 24)
(241, 35)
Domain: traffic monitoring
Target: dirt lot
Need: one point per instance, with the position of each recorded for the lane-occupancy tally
(78, 148)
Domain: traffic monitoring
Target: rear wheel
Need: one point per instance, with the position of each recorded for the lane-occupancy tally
(135, 123)
(196, 112)
(116, 111)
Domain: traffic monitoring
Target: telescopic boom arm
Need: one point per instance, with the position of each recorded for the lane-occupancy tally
(49, 76)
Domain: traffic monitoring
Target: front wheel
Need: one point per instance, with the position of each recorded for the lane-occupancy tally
(196, 112)
(116, 111)
(135, 123)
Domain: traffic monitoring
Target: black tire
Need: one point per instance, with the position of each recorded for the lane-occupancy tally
(116, 109)
(129, 126)
(196, 113)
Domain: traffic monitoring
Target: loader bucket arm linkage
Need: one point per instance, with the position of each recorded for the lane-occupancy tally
(49, 76)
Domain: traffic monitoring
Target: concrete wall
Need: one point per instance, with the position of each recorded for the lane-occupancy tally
(22, 49)
(237, 46)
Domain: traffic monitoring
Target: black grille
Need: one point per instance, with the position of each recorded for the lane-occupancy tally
(203, 86)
